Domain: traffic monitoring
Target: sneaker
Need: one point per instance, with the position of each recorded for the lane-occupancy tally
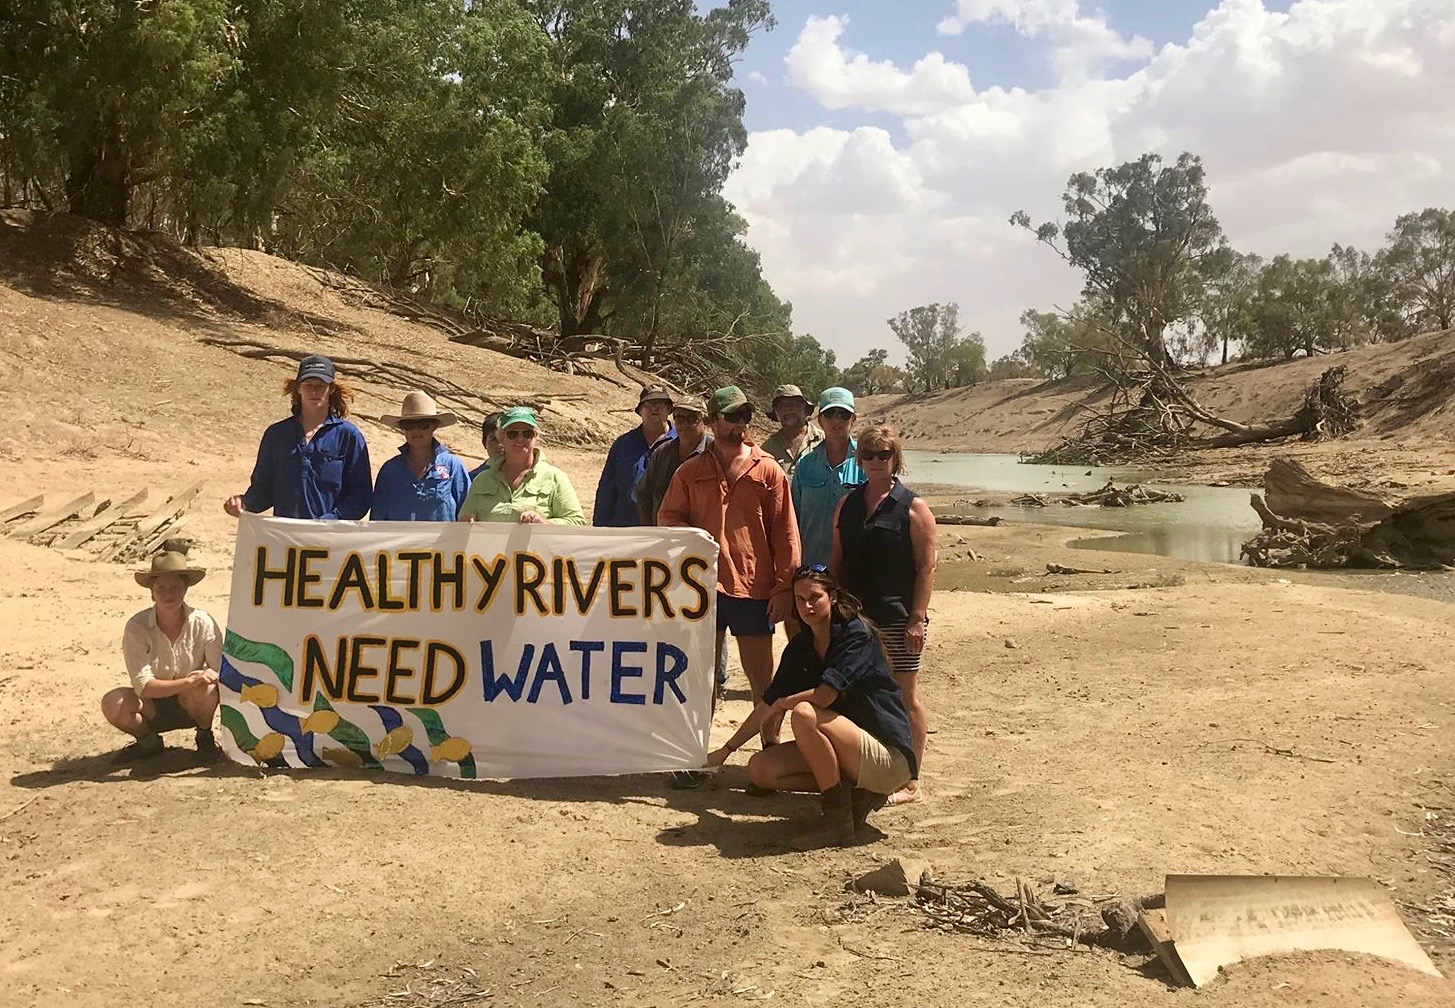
(207, 746)
(146, 747)
(685, 780)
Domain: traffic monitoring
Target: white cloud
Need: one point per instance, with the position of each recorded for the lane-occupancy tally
(757, 77)
(840, 80)
(1083, 44)
(1319, 125)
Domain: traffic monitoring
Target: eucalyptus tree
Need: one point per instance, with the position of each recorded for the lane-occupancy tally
(1419, 261)
(1147, 241)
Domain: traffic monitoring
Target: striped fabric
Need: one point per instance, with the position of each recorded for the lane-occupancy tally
(901, 662)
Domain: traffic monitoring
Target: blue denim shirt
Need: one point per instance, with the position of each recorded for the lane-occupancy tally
(817, 489)
(435, 496)
(328, 477)
(616, 502)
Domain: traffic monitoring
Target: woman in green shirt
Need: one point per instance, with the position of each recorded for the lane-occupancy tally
(522, 487)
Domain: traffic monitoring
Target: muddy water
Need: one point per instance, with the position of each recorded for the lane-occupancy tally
(1210, 525)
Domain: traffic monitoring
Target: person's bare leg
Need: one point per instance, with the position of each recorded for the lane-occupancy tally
(200, 703)
(122, 709)
(918, 731)
(756, 654)
(781, 768)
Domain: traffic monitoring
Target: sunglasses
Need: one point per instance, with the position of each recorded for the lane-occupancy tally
(809, 569)
(519, 434)
(744, 415)
(835, 413)
(884, 455)
(416, 424)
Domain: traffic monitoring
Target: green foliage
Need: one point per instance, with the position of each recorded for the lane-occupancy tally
(1059, 345)
(872, 374)
(1226, 304)
(1013, 365)
(1146, 239)
(102, 97)
(1300, 305)
(1419, 265)
(645, 129)
(939, 356)
(777, 359)
(553, 160)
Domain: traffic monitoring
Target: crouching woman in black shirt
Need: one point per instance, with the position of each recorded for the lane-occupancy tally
(851, 738)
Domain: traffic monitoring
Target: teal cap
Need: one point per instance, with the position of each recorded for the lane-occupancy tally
(836, 398)
(518, 414)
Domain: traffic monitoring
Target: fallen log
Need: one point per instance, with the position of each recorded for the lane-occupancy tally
(1320, 525)
(967, 520)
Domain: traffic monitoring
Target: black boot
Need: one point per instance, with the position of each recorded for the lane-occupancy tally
(836, 827)
(207, 747)
(864, 803)
(146, 747)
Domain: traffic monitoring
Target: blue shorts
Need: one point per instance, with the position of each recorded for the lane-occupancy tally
(744, 617)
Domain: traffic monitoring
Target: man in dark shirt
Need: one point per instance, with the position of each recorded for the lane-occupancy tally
(627, 460)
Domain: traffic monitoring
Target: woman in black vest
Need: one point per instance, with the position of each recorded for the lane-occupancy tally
(884, 554)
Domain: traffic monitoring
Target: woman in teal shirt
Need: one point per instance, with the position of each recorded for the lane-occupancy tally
(522, 487)
(825, 475)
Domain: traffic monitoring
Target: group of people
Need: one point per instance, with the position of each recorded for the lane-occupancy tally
(815, 530)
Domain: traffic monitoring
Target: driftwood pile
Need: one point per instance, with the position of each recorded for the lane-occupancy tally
(1310, 523)
(1152, 415)
(1063, 919)
(123, 530)
(1109, 495)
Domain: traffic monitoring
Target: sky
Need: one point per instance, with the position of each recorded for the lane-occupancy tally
(891, 140)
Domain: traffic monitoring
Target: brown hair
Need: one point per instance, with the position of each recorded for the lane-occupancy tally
(846, 606)
(881, 438)
(340, 396)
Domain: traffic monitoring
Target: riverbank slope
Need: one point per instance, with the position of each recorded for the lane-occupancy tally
(1406, 438)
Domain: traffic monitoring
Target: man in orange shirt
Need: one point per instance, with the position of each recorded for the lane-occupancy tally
(736, 493)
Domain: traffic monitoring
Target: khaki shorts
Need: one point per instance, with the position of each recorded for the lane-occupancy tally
(881, 769)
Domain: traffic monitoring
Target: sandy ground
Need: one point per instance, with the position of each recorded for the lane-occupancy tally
(1174, 717)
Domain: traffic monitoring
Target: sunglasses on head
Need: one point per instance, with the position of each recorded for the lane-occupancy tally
(416, 424)
(809, 569)
(883, 455)
(743, 415)
(520, 433)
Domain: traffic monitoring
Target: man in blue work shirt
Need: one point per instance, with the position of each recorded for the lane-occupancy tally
(616, 505)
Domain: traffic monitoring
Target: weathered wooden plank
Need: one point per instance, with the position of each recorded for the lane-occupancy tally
(149, 525)
(54, 516)
(24, 507)
(103, 519)
(1154, 925)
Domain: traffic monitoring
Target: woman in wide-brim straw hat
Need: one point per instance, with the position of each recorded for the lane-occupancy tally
(314, 463)
(522, 487)
(425, 481)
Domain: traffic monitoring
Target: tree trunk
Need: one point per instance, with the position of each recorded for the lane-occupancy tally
(97, 185)
(574, 276)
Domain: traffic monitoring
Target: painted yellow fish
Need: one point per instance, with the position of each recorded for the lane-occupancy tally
(452, 749)
(268, 746)
(262, 694)
(343, 757)
(321, 721)
(395, 742)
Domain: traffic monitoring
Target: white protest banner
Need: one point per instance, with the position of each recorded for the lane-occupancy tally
(469, 650)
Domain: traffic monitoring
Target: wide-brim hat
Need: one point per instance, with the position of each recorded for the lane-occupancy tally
(653, 393)
(419, 406)
(168, 562)
(788, 392)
